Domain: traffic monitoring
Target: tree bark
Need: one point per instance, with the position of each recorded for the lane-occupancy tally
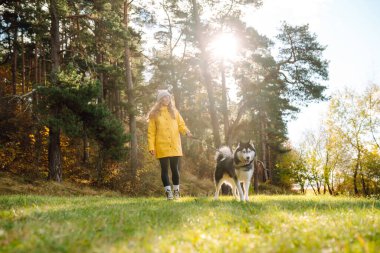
(86, 146)
(99, 53)
(356, 169)
(54, 151)
(131, 99)
(356, 191)
(54, 155)
(264, 146)
(36, 63)
(23, 73)
(256, 179)
(364, 187)
(14, 61)
(206, 75)
(44, 68)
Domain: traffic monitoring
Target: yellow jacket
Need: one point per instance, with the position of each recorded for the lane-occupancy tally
(164, 134)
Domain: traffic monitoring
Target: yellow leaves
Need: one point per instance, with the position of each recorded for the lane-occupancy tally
(7, 155)
(45, 131)
(32, 139)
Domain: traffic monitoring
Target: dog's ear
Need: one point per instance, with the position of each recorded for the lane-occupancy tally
(251, 143)
(239, 144)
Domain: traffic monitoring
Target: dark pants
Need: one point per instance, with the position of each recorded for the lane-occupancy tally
(165, 170)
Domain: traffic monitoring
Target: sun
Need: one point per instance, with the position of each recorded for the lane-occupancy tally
(225, 46)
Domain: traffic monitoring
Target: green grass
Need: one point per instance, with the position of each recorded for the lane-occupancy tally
(116, 224)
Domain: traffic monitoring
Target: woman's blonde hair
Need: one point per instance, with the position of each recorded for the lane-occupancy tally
(155, 111)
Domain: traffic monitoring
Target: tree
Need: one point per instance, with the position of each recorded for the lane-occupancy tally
(279, 85)
(204, 67)
(131, 97)
(292, 166)
(355, 126)
(372, 111)
(55, 166)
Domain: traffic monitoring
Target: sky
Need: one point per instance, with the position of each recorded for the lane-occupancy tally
(351, 31)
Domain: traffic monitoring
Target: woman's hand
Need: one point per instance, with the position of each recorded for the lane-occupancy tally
(152, 152)
(188, 134)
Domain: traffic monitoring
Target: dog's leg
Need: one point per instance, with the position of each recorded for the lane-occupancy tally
(217, 188)
(239, 188)
(246, 189)
(235, 191)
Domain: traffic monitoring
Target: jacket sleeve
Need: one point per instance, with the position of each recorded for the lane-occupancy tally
(181, 124)
(152, 134)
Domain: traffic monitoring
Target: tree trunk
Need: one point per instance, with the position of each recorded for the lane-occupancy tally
(264, 146)
(30, 72)
(36, 63)
(131, 99)
(328, 186)
(54, 152)
(364, 187)
(302, 188)
(99, 168)
(99, 53)
(225, 104)
(23, 72)
(86, 146)
(206, 75)
(99, 56)
(176, 91)
(44, 68)
(269, 158)
(312, 187)
(318, 184)
(356, 170)
(356, 191)
(365, 190)
(14, 60)
(256, 180)
(54, 155)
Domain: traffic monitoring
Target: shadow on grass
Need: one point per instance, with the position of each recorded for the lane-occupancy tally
(81, 223)
(302, 205)
(80, 226)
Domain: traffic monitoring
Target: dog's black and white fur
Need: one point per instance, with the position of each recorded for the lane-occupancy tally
(234, 168)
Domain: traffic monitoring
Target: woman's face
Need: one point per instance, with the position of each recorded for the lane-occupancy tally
(165, 100)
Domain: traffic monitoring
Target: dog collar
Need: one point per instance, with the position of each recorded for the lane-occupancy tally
(244, 165)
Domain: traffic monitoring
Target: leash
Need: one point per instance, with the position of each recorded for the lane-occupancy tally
(202, 142)
(215, 149)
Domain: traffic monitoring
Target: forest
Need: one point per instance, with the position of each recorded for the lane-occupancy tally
(78, 79)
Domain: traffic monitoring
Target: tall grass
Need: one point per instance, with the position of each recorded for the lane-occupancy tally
(116, 224)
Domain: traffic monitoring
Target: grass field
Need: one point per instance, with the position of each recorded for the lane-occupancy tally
(116, 224)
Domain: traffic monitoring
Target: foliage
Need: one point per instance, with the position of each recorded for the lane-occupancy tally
(169, 48)
(291, 167)
(75, 97)
(342, 157)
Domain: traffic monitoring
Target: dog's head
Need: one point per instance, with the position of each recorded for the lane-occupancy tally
(245, 152)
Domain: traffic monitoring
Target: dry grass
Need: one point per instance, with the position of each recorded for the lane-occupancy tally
(12, 184)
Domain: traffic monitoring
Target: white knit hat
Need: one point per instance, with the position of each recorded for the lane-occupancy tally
(161, 94)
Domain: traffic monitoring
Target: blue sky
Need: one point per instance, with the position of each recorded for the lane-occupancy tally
(351, 31)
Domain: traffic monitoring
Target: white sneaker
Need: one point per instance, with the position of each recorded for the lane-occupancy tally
(176, 194)
(169, 194)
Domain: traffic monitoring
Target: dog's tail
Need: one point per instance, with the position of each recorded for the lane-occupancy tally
(223, 153)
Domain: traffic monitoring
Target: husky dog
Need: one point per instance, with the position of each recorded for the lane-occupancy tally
(233, 168)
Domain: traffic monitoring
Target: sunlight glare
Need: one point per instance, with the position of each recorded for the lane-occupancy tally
(225, 46)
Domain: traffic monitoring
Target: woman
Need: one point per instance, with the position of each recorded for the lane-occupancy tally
(164, 142)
